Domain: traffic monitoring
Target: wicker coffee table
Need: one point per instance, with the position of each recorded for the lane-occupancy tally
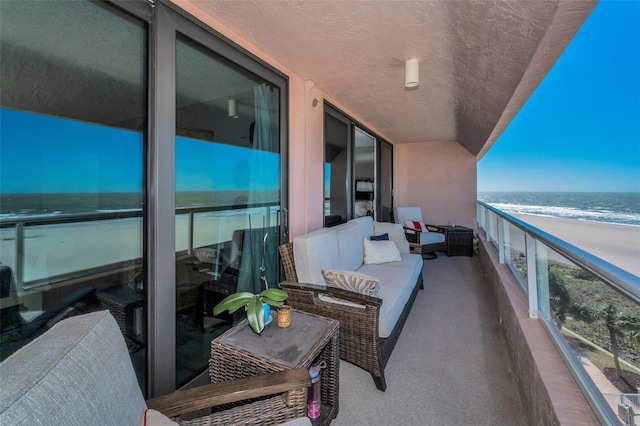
(239, 352)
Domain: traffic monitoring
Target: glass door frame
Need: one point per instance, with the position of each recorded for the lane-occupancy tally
(382, 145)
(376, 160)
(168, 21)
(348, 185)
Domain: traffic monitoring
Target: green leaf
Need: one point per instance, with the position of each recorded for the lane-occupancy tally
(275, 294)
(234, 306)
(255, 315)
(232, 301)
(271, 302)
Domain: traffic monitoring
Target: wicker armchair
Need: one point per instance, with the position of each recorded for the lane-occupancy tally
(80, 372)
(360, 343)
(277, 409)
(431, 240)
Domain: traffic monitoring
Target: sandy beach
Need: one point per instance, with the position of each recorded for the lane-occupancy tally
(617, 244)
(51, 250)
(57, 249)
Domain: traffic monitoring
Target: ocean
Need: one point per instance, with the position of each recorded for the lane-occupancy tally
(610, 207)
(60, 245)
(20, 206)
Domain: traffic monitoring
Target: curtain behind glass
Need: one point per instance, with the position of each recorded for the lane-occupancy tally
(259, 255)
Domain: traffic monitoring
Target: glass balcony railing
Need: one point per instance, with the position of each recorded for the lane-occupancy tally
(590, 308)
(59, 265)
(39, 249)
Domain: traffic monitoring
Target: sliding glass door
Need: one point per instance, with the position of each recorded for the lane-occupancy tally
(227, 192)
(364, 166)
(384, 187)
(358, 171)
(73, 128)
(142, 170)
(337, 167)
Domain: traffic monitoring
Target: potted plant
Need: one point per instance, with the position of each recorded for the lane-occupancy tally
(258, 305)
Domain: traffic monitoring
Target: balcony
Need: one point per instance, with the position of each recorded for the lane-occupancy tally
(451, 364)
(471, 95)
(473, 335)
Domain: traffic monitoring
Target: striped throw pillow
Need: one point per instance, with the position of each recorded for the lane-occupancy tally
(352, 281)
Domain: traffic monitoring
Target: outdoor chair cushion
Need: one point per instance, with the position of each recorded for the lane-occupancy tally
(431, 237)
(45, 372)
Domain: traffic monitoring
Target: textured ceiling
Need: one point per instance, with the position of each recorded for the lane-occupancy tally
(479, 60)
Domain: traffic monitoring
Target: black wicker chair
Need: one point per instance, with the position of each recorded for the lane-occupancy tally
(431, 238)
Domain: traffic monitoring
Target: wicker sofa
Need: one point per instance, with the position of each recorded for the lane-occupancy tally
(79, 373)
(369, 326)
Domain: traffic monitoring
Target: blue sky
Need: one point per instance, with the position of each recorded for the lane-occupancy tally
(50, 154)
(580, 130)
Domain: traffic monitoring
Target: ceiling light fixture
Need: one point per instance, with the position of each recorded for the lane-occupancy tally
(411, 73)
(233, 108)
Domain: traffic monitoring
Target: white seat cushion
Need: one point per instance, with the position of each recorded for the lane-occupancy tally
(396, 285)
(408, 260)
(431, 238)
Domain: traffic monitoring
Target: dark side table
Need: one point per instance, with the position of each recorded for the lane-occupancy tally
(459, 240)
(240, 352)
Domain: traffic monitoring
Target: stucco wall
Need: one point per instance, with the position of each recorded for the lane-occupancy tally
(440, 177)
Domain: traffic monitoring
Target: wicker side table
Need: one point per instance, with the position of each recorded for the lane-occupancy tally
(459, 240)
(240, 352)
(122, 302)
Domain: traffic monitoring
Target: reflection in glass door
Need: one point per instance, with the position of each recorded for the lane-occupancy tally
(73, 118)
(364, 173)
(337, 170)
(384, 189)
(227, 194)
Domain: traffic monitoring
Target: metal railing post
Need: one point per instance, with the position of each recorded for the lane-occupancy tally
(532, 276)
(190, 232)
(500, 225)
(19, 254)
(542, 274)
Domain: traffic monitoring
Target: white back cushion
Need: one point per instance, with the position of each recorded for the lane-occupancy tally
(313, 252)
(396, 234)
(366, 226)
(407, 213)
(350, 246)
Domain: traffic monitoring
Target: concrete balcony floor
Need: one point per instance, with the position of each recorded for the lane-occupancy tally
(450, 366)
